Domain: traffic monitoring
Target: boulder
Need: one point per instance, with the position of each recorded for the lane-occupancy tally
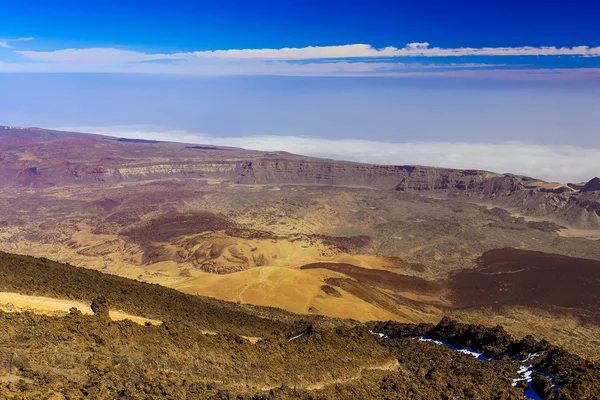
(101, 308)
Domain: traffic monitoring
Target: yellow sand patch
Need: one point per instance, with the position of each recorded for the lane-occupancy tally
(14, 302)
(251, 339)
(223, 250)
(28, 157)
(295, 290)
(270, 274)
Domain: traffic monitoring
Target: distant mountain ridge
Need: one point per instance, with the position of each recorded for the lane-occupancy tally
(39, 158)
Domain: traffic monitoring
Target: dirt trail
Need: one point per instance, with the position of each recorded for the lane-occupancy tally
(12, 302)
(391, 365)
(251, 339)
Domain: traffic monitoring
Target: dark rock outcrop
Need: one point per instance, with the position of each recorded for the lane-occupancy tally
(101, 308)
(592, 186)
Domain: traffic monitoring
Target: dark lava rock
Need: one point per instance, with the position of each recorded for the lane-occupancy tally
(100, 307)
(544, 226)
(107, 204)
(592, 185)
(331, 291)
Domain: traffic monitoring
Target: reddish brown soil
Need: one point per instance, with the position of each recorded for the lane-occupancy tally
(370, 294)
(30, 177)
(380, 278)
(79, 142)
(331, 291)
(511, 277)
(346, 243)
(172, 226)
(108, 204)
(418, 267)
(374, 286)
(250, 233)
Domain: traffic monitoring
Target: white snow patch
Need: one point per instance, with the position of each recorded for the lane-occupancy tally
(524, 374)
(424, 339)
(469, 352)
(296, 337)
(381, 335)
(531, 356)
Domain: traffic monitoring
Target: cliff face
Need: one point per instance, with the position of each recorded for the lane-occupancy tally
(41, 158)
(314, 171)
(526, 195)
(404, 178)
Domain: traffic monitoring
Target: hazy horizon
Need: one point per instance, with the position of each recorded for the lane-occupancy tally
(367, 82)
(416, 153)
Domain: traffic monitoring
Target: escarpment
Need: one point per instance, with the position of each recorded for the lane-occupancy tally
(37, 158)
(528, 196)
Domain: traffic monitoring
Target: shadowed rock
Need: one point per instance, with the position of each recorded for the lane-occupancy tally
(101, 308)
(592, 185)
(515, 277)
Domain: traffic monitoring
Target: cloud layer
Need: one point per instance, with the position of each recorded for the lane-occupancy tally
(552, 163)
(344, 60)
(6, 43)
(308, 53)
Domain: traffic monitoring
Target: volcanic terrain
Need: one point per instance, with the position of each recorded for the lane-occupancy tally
(311, 236)
(176, 346)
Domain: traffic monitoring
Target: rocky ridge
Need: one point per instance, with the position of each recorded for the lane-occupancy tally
(38, 158)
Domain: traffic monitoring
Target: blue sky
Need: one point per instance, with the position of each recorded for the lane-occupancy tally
(223, 24)
(290, 73)
(329, 37)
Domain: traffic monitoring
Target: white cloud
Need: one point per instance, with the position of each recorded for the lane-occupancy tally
(533, 74)
(417, 45)
(336, 68)
(306, 53)
(553, 163)
(244, 67)
(5, 43)
(98, 55)
(346, 60)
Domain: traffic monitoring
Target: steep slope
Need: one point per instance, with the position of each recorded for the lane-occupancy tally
(83, 356)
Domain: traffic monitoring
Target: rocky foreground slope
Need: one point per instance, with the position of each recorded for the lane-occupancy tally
(201, 350)
(41, 158)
